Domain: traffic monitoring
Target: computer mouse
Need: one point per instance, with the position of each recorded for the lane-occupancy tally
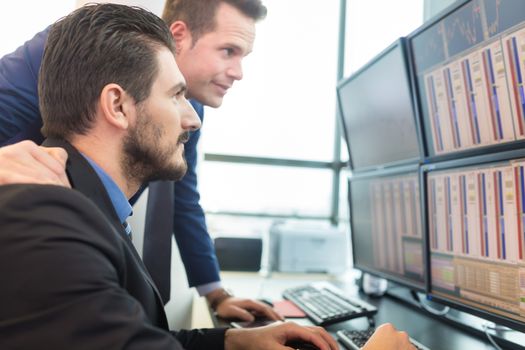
(301, 345)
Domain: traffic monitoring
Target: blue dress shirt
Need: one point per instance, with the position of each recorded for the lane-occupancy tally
(118, 199)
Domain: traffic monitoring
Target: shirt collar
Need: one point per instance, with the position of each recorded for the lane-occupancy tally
(118, 199)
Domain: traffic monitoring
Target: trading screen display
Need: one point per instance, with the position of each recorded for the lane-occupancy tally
(476, 227)
(377, 112)
(470, 68)
(386, 227)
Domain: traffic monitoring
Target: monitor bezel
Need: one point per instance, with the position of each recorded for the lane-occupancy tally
(399, 43)
(450, 165)
(401, 170)
(430, 155)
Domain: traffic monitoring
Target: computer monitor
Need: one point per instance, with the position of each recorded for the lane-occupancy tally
(377, 114)
(386, 226)
(476, 234)
(469, 68)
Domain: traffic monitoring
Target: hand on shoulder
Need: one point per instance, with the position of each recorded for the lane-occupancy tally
(25, 162)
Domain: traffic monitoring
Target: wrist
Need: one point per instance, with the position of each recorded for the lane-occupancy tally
(217, 296)
(231, 339)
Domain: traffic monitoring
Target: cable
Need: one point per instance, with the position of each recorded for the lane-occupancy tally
(486, 329)
(433, 311)
(498, 328)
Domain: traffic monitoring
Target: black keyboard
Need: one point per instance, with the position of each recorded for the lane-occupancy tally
(325, 306)
(354, 340)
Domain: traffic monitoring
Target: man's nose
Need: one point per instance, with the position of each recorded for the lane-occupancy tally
(190, 119)
(235, 70)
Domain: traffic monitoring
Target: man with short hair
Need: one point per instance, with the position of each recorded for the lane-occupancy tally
(112, 96)
(211, 38)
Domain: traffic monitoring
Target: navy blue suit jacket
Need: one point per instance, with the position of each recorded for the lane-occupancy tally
(20, 120)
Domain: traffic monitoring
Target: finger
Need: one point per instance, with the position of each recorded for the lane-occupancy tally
(406, 340)
(306, 334)
(271, 313)
(18, 160)
(262, 309)
(53, 159)
(326, 336)
(61, 156)
(46, 158)
(58, 153)
(22, 166)
(237, 312)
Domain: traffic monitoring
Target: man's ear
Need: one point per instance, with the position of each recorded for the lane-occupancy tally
(117, 106)
(181, 34)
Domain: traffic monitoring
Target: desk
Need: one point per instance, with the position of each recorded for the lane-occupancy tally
(433, 333)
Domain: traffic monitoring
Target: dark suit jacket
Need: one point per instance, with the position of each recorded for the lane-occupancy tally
(71, 278)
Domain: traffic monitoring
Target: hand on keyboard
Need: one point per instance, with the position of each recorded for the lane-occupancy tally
(386, 337)
(274, 337)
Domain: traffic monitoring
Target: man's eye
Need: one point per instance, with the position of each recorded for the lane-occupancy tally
(178, 96)
(229, 52)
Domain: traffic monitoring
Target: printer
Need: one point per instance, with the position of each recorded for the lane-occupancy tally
(307, 248)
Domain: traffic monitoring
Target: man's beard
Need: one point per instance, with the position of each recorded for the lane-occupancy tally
(145, 160)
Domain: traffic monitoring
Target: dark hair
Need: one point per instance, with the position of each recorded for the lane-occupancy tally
(94, 46)
(199, 15)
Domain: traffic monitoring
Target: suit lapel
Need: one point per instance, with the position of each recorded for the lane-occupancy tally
(84, 179)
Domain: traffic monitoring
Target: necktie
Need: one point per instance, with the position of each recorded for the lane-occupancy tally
(127, 228)
(158, 229)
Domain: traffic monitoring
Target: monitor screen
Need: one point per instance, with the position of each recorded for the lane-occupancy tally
(377, 112)
(476, 235)
(385, 215)
(469, 65)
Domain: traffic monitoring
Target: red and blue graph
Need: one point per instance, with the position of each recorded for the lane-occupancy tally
(520, 195)
(517, 81)
(471, 102)
(464, 213)
(448, 210)
(433, 215)
(452, 108)
(484, 232)
(493, 95)
(435, 113)
(500, 214)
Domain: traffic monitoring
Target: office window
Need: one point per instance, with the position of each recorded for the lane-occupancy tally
(285, 105)
(283, 108)
(268, 190)
(21, 20)
(372, 25)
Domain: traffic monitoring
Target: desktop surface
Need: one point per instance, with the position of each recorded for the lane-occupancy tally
(426, 329)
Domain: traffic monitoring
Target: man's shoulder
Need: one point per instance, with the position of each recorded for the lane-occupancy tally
(20, 195)
(58, 208)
